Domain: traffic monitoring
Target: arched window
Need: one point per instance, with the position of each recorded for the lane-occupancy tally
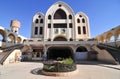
(36, 30)
(70, 25)
(83, 20)
(49, 25)
(49, 16)
(70, 16)
(60, 14)
(84, 30)
(79, 30)
(78, 20)
(41, 21)
(36, 21)
(41, 31)
(2, 35)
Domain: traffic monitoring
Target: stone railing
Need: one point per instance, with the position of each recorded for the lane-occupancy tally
(60, 42)
(6, 44)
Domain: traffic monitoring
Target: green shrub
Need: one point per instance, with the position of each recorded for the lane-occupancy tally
(68, 61)
(62, 65)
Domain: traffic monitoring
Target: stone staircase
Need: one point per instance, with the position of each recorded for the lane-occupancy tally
(114, 51)
(103, 55)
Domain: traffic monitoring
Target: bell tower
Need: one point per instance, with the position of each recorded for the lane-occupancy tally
(15, 25)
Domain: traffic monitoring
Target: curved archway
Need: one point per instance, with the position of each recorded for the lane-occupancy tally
(81, 49)
(81, 53)
(117, 33)
(60, 14)
(60, 38)
(101, 38)
(60, 5)
(24, 40)
(108, 36)
(19, 39)
(11, 37)
(60, 52)
(119, 37)
(3, 35)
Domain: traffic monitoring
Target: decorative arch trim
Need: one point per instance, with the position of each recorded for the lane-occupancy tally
(60, 38)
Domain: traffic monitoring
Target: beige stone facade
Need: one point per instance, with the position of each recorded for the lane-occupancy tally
(60, 22)
(58, 33)
(60, 29)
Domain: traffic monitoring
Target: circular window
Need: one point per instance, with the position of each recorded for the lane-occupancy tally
(59, 5)
(39, 16)
(80, 15)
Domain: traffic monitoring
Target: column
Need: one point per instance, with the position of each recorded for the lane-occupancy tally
(115, 39)
(67, 28)
(4, 39)
(52, 32)
(45, 53)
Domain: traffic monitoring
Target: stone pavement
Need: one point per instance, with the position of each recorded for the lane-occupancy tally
(91, 70)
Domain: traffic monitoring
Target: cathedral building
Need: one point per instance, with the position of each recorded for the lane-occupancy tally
(59, 32)
(60, 23)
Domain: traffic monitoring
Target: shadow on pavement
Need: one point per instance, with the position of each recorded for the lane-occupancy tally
(98, 63)
(37, 71)
(109, 67)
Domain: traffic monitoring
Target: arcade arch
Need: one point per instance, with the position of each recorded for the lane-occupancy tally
(19, 39)
(3, 35)
(81, 53)
(55, 52)
(11, 38)
(112, 34)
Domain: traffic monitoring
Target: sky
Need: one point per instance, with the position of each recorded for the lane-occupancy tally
(103, 14)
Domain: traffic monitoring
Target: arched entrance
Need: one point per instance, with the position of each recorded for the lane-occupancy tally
(60, 38)
(81, 53)
(59, 52)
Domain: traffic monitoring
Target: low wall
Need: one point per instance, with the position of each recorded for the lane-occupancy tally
(15, 56)
(5, 44)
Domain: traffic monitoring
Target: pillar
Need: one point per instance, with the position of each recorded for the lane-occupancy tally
(115, 39)
(68, 36)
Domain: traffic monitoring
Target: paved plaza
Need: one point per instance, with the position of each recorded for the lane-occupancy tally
(89, 70)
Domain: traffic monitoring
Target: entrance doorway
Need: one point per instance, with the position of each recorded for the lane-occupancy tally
(81, 53)
(37, 54)
(59, 52)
